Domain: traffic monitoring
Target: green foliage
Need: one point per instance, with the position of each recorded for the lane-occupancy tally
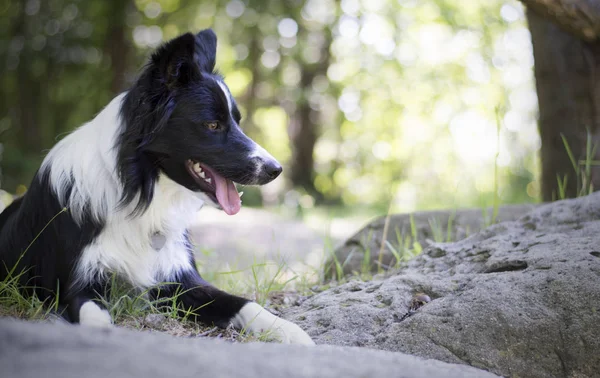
(397, 92)
(15, 302)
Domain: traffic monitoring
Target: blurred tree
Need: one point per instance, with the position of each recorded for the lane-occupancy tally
(117, 46)
(566, 47)
(62, 61)
(303, 129)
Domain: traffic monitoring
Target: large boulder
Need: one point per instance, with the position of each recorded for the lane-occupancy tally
(520, 298)
(360, 252)
(65, 351)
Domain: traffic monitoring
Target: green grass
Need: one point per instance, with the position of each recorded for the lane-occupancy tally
(130, 308)
(582, 169)
(415, 237)
(15, 303)
(496, 203)
(13, 300)
(404, 247)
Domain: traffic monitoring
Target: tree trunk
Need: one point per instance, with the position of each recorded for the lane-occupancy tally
(303, 136)
(304, 130)
(117, 46)
(250, 98)
(579, 17)
(567, 73)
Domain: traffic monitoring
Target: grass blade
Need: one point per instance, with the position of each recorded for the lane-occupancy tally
(569, 152)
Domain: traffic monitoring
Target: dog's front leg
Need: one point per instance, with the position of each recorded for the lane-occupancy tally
(83, 308)
(210, 305)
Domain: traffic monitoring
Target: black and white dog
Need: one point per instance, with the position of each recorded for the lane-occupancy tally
(116, 196)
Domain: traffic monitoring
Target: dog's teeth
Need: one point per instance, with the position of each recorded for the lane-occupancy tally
(201, 173)
(241, 194)
(197, 167)
(208, 180)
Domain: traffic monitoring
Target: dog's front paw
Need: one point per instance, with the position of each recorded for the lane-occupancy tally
(290, 333)
(254, 318)
(92, 315)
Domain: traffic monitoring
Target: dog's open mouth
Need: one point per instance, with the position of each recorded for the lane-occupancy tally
(217, 187)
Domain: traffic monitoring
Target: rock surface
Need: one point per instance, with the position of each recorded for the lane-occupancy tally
(65, 351)
(428, 226)
(521, 298)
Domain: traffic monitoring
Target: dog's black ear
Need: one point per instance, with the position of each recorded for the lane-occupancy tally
(175, 61)
(206, 50)
(182, 59)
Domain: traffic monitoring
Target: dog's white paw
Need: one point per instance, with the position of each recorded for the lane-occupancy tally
(254, 318)
(90, 314)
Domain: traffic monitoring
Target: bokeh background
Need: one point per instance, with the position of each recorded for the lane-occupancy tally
(420, 104)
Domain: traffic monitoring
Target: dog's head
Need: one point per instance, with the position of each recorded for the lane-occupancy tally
(181, 119)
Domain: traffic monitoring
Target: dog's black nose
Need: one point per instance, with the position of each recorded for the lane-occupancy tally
(273, 169)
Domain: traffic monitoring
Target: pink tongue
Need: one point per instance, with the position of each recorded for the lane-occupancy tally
(227, 195)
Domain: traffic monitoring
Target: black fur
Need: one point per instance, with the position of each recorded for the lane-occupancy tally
(40, 241)
(199, 299)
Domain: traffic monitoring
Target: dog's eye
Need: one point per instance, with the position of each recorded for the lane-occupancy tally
(213, 125)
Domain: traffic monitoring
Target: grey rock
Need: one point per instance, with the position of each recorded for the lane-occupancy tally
(154, 320)
(428, 226)
(520, 298)
(65, 351)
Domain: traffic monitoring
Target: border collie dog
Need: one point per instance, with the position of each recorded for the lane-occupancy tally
(116, 196)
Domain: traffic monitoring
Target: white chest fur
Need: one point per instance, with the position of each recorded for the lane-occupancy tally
(126, 246)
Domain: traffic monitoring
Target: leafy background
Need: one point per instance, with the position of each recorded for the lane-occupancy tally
(419, 103)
